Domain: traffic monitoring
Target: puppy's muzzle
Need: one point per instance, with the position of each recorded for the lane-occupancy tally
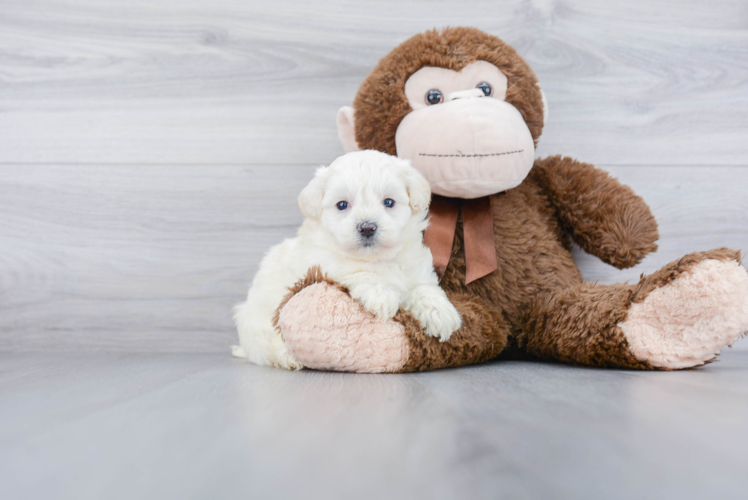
(367, 229)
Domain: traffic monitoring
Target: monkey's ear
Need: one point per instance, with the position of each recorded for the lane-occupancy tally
(347, 129)
(419, 190)
(310, 198)
(545, 105)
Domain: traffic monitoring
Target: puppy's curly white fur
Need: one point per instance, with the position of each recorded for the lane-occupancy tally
(364, 220)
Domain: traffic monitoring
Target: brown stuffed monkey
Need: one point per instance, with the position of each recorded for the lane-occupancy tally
(468, 112)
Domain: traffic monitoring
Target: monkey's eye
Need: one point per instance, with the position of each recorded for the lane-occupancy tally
(434, 96)
(486, 88)
(342, 205)
(389, 203)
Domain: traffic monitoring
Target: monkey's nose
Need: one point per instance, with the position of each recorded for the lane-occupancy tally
(465, 93)
(367, 229)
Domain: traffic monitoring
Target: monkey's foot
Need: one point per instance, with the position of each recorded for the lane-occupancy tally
(323, 326)
(696, 309)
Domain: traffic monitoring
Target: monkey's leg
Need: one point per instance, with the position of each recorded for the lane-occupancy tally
(482, 336)
(325, 329)
(679, 317)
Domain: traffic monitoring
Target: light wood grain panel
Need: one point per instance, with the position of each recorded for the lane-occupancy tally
(149, 253)
(202, 81)
(152, 258)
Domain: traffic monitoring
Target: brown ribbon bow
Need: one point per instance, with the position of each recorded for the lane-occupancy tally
(477, 223)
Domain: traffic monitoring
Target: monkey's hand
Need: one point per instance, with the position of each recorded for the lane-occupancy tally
(604, 217)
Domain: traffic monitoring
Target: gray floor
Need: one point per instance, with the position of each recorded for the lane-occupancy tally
(209, 426)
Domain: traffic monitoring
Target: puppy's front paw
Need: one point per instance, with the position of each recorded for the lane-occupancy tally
(442, 323)
(383, 302)
(436, 313)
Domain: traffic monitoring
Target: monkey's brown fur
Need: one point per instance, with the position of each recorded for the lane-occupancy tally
(536, 303)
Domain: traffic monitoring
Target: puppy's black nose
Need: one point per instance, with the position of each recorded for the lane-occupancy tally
(367, 229)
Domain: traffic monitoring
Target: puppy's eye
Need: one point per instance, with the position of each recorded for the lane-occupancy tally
(486, 88)
(434, 96)
(389, 203)
(342, 205)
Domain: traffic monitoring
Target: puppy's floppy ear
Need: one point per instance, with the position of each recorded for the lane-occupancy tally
(419, 190)
(310, 198)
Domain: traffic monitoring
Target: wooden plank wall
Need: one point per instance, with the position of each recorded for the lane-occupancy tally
(151, 151)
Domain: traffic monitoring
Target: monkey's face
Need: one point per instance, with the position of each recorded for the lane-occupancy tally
(461, 134)
(459, 103)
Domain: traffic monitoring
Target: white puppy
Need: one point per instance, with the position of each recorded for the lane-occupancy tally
(365, 217)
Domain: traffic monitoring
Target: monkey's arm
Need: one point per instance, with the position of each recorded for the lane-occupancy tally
(604, 217)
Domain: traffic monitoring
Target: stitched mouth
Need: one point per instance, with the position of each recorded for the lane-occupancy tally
(477, 155)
